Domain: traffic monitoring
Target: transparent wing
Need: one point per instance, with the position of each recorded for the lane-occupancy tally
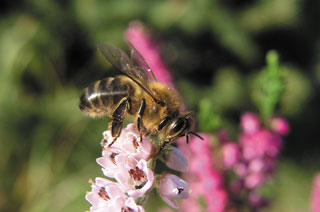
(142, 64)
(121, 61)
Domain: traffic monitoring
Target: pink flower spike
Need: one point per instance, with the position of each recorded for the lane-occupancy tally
(280, 126)
(175, 159)
(231, 154)
(250, 123)
(315, 196)
(134, 176)
(172, 187)
(103, 191)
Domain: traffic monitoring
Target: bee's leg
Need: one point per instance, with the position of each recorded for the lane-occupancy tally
(117, 119)
(141, 110)
(163, 123)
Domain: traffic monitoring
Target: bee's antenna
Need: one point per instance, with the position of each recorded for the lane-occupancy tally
(187, 139)
(193, 133)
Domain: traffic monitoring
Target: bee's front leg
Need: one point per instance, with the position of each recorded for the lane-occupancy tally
(117, 119)
(139, 122)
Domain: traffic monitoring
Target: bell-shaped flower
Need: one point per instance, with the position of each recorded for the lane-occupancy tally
(121, 204)
(103, 191)
(175, 159)
(134, 176)
(128, 143)
(250, 123)
(171, 188)
(280, 125)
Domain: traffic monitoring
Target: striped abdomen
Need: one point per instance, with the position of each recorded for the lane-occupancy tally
(102, 97)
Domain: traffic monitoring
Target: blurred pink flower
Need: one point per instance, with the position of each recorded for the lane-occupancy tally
(134, 176)
(137, 35)
(256, 200)
(103, 191)
(250, 123)
(172, 187)
(205, 180)
(315, 196)
(223, 136)
(280, 126)
(254, 180)
(231, 154)
(260, 143)
(256, 165)
(175, 159)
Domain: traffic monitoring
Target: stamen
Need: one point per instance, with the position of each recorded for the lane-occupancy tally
(126, 209)
(103, 194)
(135, 143)
(139, 177)
(112, 158)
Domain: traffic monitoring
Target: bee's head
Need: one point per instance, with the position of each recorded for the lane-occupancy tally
(179, 127)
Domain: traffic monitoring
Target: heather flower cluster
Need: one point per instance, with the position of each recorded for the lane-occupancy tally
(225, 175)
(252, 159)
(206, 182)
(130, 174)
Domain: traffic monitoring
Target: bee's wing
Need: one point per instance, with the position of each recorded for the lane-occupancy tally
(121, 61)
(143, 65)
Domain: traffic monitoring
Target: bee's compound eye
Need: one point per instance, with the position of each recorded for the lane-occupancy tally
(178, 127)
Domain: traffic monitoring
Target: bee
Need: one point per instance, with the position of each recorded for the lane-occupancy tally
(155, 106)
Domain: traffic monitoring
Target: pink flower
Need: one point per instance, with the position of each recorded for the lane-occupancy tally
(280, 126)
(103, 191)
(205, 180)
(134, 176)
(254, 180)
(175, 159)
(256, 165)
(171, 188)
(256, 200)
(121, 204)
(241, 169)
(231, 154)
(250, 123)
(261, 143)
(128, 143)
(223, 136)
(315, 196)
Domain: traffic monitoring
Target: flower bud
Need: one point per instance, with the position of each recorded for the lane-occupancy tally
(280, 126)
(175, 159)
(172, 187)
(250, 123)
(231, 154)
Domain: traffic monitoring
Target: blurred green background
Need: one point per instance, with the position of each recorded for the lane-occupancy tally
(213, 47)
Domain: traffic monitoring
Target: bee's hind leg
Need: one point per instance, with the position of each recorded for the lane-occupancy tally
(116, 121)
(140, 125)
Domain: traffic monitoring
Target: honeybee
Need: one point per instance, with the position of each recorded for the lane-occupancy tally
(155, 106)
